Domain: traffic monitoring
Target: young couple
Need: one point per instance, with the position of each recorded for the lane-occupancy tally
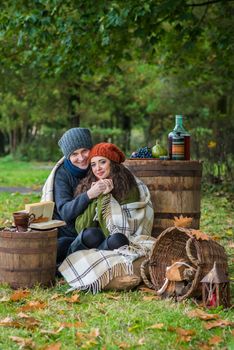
(103, 204)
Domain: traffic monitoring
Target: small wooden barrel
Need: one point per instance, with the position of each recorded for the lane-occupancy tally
(175, 188)
(28, 258)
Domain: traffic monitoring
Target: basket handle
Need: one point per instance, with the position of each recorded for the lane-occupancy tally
(189, 252)
(143, 274)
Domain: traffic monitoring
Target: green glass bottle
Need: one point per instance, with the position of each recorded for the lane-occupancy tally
(179, 141)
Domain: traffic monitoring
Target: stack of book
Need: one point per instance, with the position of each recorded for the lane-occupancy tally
(43, 212)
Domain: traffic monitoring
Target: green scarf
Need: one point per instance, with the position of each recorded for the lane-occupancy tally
(98, 209)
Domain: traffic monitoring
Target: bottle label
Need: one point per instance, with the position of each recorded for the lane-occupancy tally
(178, 148)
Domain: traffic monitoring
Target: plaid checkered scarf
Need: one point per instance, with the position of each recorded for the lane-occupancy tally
(93, 269)
(131, 219)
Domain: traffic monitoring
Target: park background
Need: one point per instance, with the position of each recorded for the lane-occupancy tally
(124, 69)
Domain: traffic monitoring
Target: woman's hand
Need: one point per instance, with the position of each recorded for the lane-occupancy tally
(109, 185)
(96, 189)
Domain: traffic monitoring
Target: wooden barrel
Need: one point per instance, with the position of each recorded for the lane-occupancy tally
(175, 188)
(28, 258)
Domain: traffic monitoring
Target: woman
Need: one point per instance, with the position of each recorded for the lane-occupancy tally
(121, 212)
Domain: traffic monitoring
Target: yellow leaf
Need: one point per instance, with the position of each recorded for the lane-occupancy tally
(200, 235)
(211, 144)
(156, 326)
(182, 221)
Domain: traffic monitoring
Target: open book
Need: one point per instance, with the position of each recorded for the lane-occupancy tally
(43, 212)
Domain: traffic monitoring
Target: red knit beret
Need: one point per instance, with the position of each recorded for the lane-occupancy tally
(107, 150)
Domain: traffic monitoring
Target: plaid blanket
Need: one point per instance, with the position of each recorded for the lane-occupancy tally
(93, 269)
(48, 188)
(134, 218)
(131, 219)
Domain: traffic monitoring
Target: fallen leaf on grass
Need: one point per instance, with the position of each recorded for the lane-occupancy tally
(156, 326)
(76, 324)
(151, 297)
(19, 295)
(56, 296)
(4, 299)
(204, 346)
(123, 345)
(24, 342)
(215, 340)
(33, 305)
(218, 323)
(141, 341)
(202, 315)
(184, 335)
(29, 323)
(88, 340)
(54, 346)
(9, 322)
(75, 298)
(113, 297)
(146, 290)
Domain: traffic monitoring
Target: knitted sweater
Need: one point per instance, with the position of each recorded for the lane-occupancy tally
(67, 207)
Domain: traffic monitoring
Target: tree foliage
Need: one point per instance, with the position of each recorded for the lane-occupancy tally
(116, 66)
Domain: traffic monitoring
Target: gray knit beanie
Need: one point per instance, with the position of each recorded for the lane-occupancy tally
(74, 139)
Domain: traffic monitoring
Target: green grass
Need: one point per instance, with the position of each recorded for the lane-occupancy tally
(123, 319)
(18, 173)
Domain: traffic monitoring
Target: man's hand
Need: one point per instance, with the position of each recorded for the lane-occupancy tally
(101, 186)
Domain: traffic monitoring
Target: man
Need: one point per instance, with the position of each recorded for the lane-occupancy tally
(62, 182)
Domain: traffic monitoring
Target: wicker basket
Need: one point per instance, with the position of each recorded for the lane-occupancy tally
(176, 243)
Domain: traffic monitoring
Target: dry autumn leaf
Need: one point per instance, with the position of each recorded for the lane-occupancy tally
(113, 297)
(24, 342)
(200, 235)
(76, 324)
(87, 338)
(146, 290)
(151, 297)
(54, 346)
(141, 341)
(4, 299)
(33, 305)
(56, 296)
(156, 326)
(185, 335)
(123, 345)
(19, 295)
(75, 298)
(218, 323)
(204, 346)
(182, 221)
(202, 315)
(215, 340)
(9, 322)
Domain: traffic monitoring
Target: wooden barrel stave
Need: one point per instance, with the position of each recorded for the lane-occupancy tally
(28, 258)
(174, 186)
